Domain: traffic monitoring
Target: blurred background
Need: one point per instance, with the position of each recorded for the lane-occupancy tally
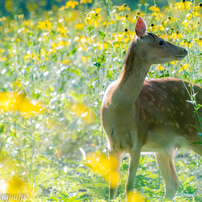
(16, 7)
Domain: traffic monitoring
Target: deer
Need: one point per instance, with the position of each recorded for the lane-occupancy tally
(150, 115)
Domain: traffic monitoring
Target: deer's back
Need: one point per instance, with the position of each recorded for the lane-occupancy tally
(164, 107)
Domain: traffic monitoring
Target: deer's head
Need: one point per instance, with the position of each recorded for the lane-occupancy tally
(154, 49)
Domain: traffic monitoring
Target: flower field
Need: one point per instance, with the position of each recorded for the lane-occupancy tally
(54, 70)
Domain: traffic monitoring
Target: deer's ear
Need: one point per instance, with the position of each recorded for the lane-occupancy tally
(140, 28)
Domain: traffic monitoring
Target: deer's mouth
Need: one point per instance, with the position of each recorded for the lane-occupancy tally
(183, 54)
(180, 57)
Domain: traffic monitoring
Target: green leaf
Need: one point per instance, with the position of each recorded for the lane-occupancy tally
(198, 106)
(102, 34)
(117, 43)
(97, 64)
(90, 29)
(1, 128)
(72, 52)
(75, 71)
(109, 74)
(43, 66)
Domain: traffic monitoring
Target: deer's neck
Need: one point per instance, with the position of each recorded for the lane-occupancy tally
(132, 77)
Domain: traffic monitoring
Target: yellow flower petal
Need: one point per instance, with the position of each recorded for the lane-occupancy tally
(104, 166)
(96, 23)
(159, 67)
(135, 197)
(97, 10)
(84, 112)
(10, 101)
(154, 9)
(30, 108)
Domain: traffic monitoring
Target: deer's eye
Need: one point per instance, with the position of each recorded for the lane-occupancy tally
(161, 43)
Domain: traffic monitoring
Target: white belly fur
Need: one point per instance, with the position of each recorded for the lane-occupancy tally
(158, 142)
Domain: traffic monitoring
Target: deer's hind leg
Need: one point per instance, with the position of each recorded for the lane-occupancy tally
(167, 168)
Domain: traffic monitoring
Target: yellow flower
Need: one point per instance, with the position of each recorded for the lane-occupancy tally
(118, 36)
(94, 17)
(85, 59)
(158, 16)
(176, 35)
(173, 62)
(108, 23)
(184, 67)
(86, 1)
(102, 45)
(198, 7)
(18, 40)
(21, 16)
(97, 10)
(161, 28)
(172, 19)
(65, 61)
(135, 197)
(153, 27)
(84, 112)
(43, 52)
(185, 23)
(62, 30)
(16, 101)
(124, 18)
(29, 108)
(79, 26)
(71, 4)
(17, 83)
(62, 43)
(45, 25)
(104, 166)
(3, 59)
(189, 44)
(164, 36)
(123, 7)
(199, 42)
(195, 13)
(62, 8)
(79, 38)
(129, 35)
(154, 9)
(140, 14)
(159, 67)
(189, 16)
(183, 5)
(18, 185)
(52, 50)
(182, 43)
(2, 51)
(10, 101)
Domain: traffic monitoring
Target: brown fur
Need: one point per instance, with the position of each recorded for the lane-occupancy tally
(150, 115)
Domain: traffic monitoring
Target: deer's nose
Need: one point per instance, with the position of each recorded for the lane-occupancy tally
(185, 51)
